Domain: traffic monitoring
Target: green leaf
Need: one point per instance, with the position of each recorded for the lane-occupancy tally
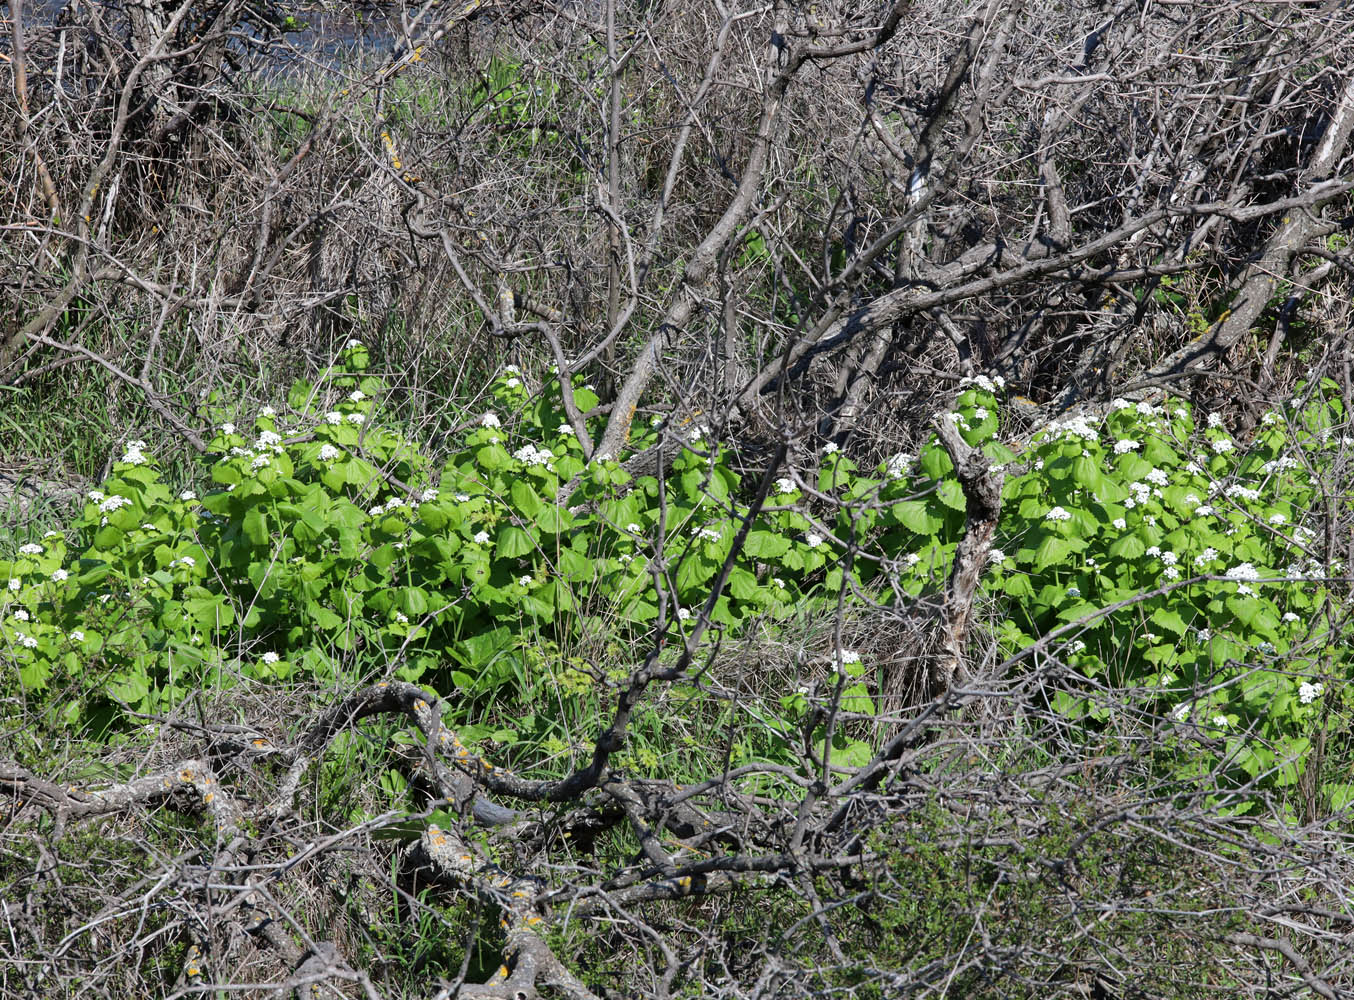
(763, 544)
(1052, 551)
(1169, 620)
(524, 498)
(256, 526)
(913, 515)
(952, 495)
(512, 541)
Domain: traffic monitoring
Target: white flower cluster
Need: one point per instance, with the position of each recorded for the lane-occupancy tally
(785, 485)
(708, 534)
(1308, 692)
(1281, 464)
(1244, 571)
(113, 503)
(30, 549)
(1222, 445)
(1157, 477)
(531, 455)
(1237, 491)
(328, 453)
(1120, 403)
(996, 556)
(1077, 426)
(481, 537)
(895, 467)
(60, 575)
(1124, 445)
(135, 453)
(1205, 557)
(984, 383)
(1215, 420)
(813, 541)
(428, 496)
(490, 420)
(1058, 514)
(333, 417)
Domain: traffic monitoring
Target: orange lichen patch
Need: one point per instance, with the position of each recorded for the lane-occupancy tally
(209, 796)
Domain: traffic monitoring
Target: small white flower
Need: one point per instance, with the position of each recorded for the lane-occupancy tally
(683, 614)
(1203, 510)
(1220, 721)
(1125, 445)
(1120, 404)
(1120, 523)
(1308, 693)
(525, 581)
(1270, 419)
(511, 370)
(113, 503)
(267, 411)
(1245, 493)
(1181, 712)
(980, 413)
(813, 541)
(187, 495)
(356, 396)
(356, 418)
(328, 453)
(377, 511)
(778, 582)
(708, 534)
(1171, 573)
(77, 636)
(513, 383)
(912, 558)
(30, 549)
(427, 496)
(830, 448)
(1147, 409)
(260, 462)
(1277, 519)
(353, 344)
(1074, 591)
(333, 417)
(1157, 477)
(481, 537)
(401, 617)
(1215, 420)
(1222, 445)
(896, 465)
(394, 503)
(996, 556)
(227, 428)
(188, 561)
(96, 495)
(1058, 514)
(1289, 616)
(1077, 646)
(1192, 498)
(26, 641)
(1244, 571)
(785, 485)
(1206, 556)
(60, 575)
(1154, 550)
(268, 439)
(1205, 634)
(21, 614)
(270, 657)
(490, 420)
(51, 534)
(568, 429)
(134, 455)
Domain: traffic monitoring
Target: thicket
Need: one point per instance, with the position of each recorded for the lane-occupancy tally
(768, 502)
